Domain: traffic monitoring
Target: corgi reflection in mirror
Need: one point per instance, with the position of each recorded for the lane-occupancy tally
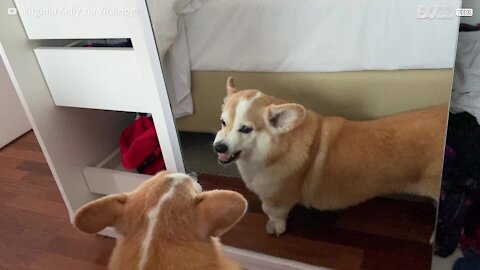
(289, 155)
(166, 223)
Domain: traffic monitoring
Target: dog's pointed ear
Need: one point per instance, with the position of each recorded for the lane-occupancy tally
(217, 211)
(285, 117)
(231, 89)
(99, 214)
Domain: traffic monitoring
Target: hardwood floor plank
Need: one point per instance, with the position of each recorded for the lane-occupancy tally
(29, 144)
(20, 187)
(69, 231)
(44, 207)
(28, 137)
(51, 261)
(252, 226)
(40, 168)
(12, 173)
(40, 180)
(29, 219)
(9, 231)
(397, 259)
(50, 195)
(101, 245)
(19, 154)
(33, 239)
(14, 268)
(92, 250)
(402, 215)
(7, 162)
(6, 196)
(17, 258)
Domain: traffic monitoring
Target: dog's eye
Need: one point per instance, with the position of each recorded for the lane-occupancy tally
(223, 123)
(245, 129)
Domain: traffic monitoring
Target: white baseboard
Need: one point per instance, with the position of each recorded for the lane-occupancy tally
(258, 261)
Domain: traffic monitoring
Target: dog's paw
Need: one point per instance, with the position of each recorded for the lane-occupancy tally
(276, 227)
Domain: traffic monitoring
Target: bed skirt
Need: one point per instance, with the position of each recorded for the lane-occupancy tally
(359, 95)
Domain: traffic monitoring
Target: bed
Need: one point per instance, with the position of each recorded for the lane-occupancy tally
(344, 57)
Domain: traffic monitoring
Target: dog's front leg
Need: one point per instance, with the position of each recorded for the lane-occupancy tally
(277, 217)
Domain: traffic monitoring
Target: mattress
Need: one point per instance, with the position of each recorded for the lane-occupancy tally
(319, 35)
(307, 36)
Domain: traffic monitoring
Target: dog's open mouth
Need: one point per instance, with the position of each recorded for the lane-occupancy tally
(227, 158)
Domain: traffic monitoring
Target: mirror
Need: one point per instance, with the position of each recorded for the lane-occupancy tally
(333, 126)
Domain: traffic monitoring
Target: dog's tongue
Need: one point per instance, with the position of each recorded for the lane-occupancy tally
(223, 157)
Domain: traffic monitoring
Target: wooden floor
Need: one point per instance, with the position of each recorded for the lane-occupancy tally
(35, 232)
(379, 234)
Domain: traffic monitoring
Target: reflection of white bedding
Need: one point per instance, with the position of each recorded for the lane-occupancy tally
(307, 36)
(319, 35)
(164, 17)
(169, 29)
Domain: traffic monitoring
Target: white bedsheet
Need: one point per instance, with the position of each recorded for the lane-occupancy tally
(319, 35)
(176, 70)
(304, 36)
(169, 29)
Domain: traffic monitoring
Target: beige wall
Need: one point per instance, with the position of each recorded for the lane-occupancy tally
(354, 95)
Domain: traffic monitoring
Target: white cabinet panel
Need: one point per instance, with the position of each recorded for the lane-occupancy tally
(95, 78)
(75, 19)
(13, 121)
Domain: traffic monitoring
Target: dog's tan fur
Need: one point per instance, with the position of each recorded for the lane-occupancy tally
(184, 233)
(327, 162)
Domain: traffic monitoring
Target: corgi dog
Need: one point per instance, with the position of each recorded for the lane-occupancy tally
(167, 223)
(289, 155)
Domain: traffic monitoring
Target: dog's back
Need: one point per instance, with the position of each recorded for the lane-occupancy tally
(363, 159)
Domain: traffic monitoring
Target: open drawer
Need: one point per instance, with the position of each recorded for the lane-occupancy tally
(109, 177)
(94, 78)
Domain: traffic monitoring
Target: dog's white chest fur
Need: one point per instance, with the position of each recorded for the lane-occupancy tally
(258, 179)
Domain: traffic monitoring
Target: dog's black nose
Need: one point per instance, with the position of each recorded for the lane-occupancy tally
(220, 147)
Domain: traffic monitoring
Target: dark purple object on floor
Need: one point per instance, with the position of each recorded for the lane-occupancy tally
(459, 208)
